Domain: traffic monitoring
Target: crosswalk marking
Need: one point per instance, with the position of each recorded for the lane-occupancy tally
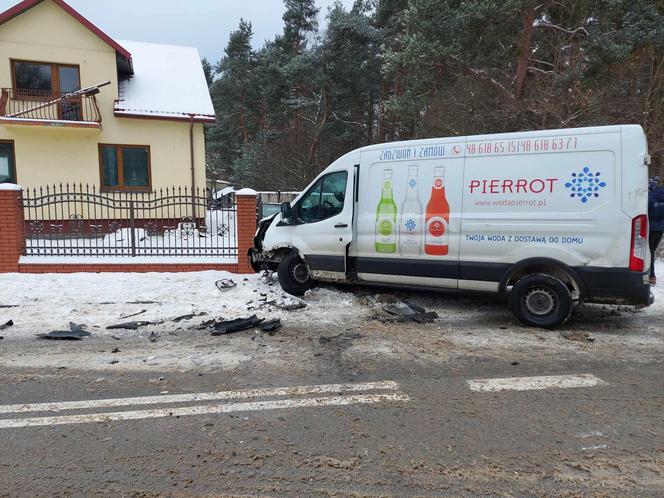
(197, 397)
(203, 410)
(534, 383)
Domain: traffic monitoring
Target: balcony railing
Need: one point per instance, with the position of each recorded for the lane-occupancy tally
(48, 106)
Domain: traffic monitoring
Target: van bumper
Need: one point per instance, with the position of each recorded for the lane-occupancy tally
(616, 286)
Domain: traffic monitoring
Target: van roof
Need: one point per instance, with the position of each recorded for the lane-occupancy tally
(502, 136)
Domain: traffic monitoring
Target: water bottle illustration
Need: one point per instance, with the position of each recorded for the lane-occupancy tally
(386, 218)
(410, 221)
(436, 242)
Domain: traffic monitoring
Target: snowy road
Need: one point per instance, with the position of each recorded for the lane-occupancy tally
(341, 401)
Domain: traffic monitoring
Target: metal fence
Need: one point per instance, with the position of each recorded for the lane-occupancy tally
(79, 221)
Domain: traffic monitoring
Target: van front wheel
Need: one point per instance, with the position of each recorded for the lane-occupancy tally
(294, 276)
(541, 300)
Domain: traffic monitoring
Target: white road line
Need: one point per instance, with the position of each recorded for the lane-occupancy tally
(202, 410)
(534, 383)
(188, 398)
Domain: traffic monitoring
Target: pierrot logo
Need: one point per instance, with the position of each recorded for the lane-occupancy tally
(456, 150)
(438, 183)
(411, 225)
(412, 183)
(586, 184)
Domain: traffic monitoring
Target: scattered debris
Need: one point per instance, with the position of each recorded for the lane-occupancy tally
(7, 306)
(406, 312)
(113, 362)
(78, 329)
(399, 309)
(286, 303)
(271, 325)
(577, 335)
(116, 350)
(415, 307)
(64, 335)
(422, 318)
(225, 284)
(5, 326)
(344, 336)
(140, 302)
(515, 363)
(385, 298)
(188, 317)
(227, 327)
(128, 326)
(153, 337)
(75, 333)
(115, 337)
(135, 314)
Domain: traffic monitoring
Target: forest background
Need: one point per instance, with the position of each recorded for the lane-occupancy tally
(389, 70)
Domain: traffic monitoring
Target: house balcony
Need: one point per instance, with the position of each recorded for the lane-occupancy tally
(51, 109)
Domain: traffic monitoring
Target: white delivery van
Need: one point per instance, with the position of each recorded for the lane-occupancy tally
(552, 218)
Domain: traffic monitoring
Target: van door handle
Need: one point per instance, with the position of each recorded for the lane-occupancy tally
(341, 225)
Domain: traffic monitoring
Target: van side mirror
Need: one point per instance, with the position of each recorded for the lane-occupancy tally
(286, 211)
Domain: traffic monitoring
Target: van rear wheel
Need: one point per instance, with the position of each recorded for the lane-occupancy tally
(294, 276)
(540, 300)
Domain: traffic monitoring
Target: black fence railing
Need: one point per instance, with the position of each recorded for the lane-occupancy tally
(50, 106)
(79, 221)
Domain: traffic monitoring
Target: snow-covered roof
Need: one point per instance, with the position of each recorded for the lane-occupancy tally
(168, 82)
(222, 193)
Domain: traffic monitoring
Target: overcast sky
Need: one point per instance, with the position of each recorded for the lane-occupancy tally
(205, 24)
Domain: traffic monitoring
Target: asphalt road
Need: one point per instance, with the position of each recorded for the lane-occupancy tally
(396, 427)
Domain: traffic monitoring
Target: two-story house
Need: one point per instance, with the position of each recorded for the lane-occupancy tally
(77, 106)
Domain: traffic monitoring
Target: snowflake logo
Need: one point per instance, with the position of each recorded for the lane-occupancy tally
(585, 185)
(412, 183)
(411, 225)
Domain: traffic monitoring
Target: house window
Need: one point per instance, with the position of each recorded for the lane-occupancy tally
(7, 163)
(125, 167)
(43, 79)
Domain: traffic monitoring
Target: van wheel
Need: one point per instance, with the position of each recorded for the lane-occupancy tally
(541, 300)
(294, 276)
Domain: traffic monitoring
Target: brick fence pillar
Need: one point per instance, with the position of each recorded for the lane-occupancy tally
(12, 229)
(246, 227)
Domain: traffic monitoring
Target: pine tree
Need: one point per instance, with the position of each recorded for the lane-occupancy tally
(301, 20)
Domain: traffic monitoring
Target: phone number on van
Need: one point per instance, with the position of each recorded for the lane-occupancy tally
(555, 144)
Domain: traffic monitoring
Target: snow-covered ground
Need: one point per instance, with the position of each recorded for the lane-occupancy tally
(98, 300)
(469, 325)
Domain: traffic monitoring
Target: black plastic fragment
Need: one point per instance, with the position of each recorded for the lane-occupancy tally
(128, 326)
(64, 335)
(188, 317)
(271, 325)
(228, 327)
(5, 326)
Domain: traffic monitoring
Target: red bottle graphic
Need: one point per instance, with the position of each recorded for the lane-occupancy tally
(437, 218)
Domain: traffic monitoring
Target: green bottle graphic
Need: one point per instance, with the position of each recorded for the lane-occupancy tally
(386, 218)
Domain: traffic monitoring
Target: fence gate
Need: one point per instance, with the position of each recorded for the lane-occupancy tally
(79, 221)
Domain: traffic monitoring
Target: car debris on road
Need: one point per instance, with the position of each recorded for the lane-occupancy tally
(128, 326)
(75, 333)
(225, 284)
(230, 326)
(406, 312)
